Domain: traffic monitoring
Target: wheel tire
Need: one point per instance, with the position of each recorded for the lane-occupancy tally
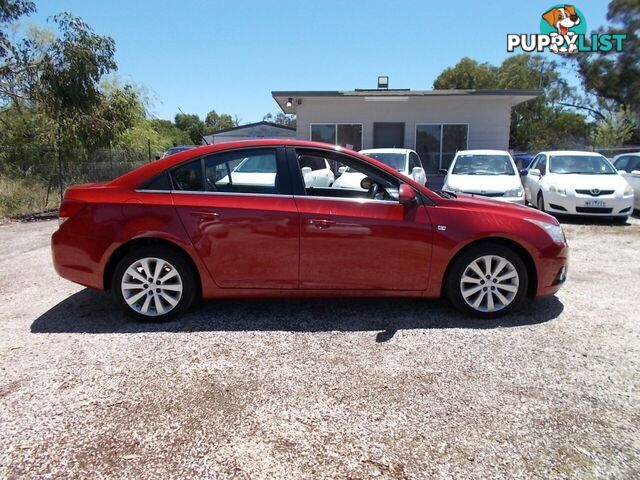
(186, 280)
(540, 202)
(463, 262)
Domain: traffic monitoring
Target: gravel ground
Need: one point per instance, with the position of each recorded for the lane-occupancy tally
(322, 388)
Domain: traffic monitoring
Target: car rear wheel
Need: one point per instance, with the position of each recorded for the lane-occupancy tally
(154, 284)
(487, 281)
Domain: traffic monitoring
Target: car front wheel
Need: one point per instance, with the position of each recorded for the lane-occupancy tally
(154, 284)
(487, 281)
(540, 202)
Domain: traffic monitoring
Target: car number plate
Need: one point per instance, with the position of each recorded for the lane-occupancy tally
(595, 203)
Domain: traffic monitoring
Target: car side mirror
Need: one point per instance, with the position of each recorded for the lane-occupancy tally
(306, 171)
(635, 173)
(443, 171)
(342, 169)
(158, 157)
(417, 171)
(406, 195)
(534, 172)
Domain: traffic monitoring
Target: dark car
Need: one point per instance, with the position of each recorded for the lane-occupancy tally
(523, 161)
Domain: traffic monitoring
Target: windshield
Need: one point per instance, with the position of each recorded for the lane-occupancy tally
(258, 164)
(483, 165)
(397, 161)
(581, 164)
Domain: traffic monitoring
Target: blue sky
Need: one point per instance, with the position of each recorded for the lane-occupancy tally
(229, 55)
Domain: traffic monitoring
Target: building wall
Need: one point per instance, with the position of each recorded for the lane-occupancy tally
(488, 117)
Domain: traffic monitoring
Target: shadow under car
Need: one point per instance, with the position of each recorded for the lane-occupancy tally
(90, 311)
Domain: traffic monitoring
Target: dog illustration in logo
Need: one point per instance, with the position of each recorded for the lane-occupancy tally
(563, 19)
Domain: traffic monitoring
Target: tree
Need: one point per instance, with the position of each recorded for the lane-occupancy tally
(616, 75)
(281, 119)
(192, 125)
(535, 123)
(72, 68)
(467, 74)
(615, 130)
(215, 122)
(10, 12)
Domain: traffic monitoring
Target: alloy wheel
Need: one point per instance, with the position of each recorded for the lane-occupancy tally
(489, 283)
(151, 286)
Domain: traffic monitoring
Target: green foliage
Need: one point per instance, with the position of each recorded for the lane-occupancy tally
(541, 122)
(614, 130)
(11, 11)
(171, 135)
(71, 70)
(281, 119)
(467, 74)
(214, 122)
(192, 125)
(616, 75)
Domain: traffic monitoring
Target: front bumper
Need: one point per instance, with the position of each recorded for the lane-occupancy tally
(552, 265)
(613, 205)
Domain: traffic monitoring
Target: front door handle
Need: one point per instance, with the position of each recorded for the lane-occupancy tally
(206, 214)
(321, 222)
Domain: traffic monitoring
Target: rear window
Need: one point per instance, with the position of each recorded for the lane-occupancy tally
(483, 165)
(161, 182)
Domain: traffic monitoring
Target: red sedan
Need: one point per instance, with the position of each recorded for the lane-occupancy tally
(247, 219)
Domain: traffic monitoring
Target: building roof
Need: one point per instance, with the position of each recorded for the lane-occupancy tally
(255, 124)
(515, 95)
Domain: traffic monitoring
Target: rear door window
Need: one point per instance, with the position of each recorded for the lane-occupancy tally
(311, 161)
(243, 171)
(188, 177)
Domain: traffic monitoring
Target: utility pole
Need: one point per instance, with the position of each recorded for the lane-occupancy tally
(60, 161)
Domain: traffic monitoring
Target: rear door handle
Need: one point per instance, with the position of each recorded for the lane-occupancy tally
(321, 222)
(207, 214)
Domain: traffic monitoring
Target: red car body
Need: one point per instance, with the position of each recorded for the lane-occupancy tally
(294, 245)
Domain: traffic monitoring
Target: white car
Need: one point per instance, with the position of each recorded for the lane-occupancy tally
(404, 160)
(628, 164)
(577, 183)
(316, 171)
(487, 173)
(260, 171)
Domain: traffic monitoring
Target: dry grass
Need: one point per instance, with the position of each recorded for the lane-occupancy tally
(19, 196)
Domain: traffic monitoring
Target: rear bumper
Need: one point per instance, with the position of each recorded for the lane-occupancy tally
(78, 259)
(576, 205)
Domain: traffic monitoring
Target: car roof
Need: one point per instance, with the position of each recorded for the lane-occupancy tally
(386, 150)
(576, 153)
(482, 152)
(630, 154)
(146, 172)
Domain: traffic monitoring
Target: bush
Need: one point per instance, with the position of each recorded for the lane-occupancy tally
(24, 195)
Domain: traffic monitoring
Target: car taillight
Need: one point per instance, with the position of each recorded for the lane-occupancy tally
(68, 208)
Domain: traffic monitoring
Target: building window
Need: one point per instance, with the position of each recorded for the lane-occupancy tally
(348, 135)
(437, 144)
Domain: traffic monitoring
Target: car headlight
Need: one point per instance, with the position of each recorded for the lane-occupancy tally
(558, 189)
(554, 231)
(628, 190)
(515, 192)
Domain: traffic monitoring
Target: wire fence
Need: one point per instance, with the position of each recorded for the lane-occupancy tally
(34, 178)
